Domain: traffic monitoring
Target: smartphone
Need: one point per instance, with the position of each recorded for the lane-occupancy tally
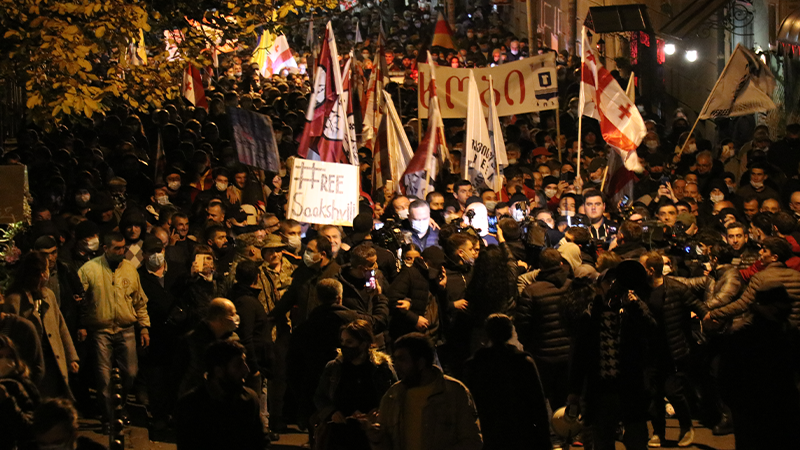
(371, 283)
(664, 180)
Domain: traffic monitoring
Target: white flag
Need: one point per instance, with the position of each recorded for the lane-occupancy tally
(392, 145)
(478, 166)
(496, 138)
(744, 87)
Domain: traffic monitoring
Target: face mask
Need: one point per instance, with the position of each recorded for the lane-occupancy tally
(717, 198)
(652, 145)
(174, 185)
(568, 213)
(727, 151)
(666, 270)
(731, 189)
(491, 205)
(221, 186)
(309, 259)
(420, 226)
(757, 185)
(597, 180)
(162, 200)
(550, 193)
(7, 365)
(155, 261)
(402, 214)
(351, 353)
(295, 242)
(93, 244)
(512, 161)
(691, 148)
(518, 215)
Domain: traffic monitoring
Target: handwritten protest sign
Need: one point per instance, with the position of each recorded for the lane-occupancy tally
(520, 87)
(323, 193)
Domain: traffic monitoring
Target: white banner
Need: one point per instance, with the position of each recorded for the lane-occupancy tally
(323, 193)
(520, 87)
(478, 166)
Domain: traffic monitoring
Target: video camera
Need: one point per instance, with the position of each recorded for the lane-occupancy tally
(390, 236)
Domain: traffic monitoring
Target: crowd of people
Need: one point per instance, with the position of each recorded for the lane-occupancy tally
(464, 319)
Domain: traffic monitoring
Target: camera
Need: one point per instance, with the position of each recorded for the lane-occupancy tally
(389, 236)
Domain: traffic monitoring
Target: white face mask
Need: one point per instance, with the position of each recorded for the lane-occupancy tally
(691, 148)
(7, 365)
(490, 206)
(162, 200)
(518, 215)
(717, 197)
(174, 185)
(420, 226)
(666, 270)
(651, 144)
(308, 259)
(757, 185)
(550, 193)
(295, 242)
(222, 186)
(568, 213)
(93, 244)
(402, 214)
(155, 261)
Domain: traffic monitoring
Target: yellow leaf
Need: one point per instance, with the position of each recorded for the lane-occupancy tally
(10, 33)
(34, 100)
(72, 29)
(86, 65)
(98, 33)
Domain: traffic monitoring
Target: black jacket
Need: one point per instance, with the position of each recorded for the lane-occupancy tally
(675, 320)
(508, 395)
(254, 331)
(301, 297)
(369, 304)
(203, 422)
(69, 285)
(415, 285)
(540, 316)
(160, 304)
(630, 250)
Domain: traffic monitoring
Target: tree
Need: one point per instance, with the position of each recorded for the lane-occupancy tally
(80, 57)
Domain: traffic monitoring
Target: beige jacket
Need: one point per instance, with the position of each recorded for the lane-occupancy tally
(49, 324)
(115, 299)
(449, 417)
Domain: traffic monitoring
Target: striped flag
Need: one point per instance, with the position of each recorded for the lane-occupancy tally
(326, 135)
(192, 87)
(442, 35)
(393, 152)
(371, 103)
(620, 122)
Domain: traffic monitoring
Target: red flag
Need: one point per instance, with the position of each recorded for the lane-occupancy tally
(326, 135)
(602, 98)
(442, 35)
(192, 87)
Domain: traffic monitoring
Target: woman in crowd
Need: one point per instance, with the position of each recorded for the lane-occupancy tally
(18, 397)
(413, 307)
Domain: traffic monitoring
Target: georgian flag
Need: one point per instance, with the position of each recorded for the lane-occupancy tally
(192, 87)
(278, 57)
(602, 98)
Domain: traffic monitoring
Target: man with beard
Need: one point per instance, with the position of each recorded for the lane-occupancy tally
(217, 239)
(222, 412)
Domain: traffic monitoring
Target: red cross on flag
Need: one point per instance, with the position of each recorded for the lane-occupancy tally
(605, 100)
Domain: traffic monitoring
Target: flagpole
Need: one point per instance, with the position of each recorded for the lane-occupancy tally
(558, 132)
(492, 137)
(581, 100)
(603, 183)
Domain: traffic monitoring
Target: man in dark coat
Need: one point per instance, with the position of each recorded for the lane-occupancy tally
(221, 412)
(758, 370)
(315, 342)
(505, 384)
(671, 304)
(254, 330)
(363, 289)
(542, 324)
(301, 297)
(608, 359)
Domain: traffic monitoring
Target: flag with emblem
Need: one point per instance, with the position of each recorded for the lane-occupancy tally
(603, 99)
(326, 136)
(371, 103)
(421, 172)
(192, 87)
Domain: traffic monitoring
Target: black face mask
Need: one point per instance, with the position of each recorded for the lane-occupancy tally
(350, 353)
(530, 183)
(438, 216)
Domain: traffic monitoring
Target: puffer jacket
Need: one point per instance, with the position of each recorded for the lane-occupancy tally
(539, 316)
(738, 312)
(678, 303)
(720, 288)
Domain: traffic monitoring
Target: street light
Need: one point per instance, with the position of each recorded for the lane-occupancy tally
(691, 55)
(669, 49)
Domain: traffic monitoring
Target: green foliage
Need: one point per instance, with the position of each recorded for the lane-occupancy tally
(74, 56)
